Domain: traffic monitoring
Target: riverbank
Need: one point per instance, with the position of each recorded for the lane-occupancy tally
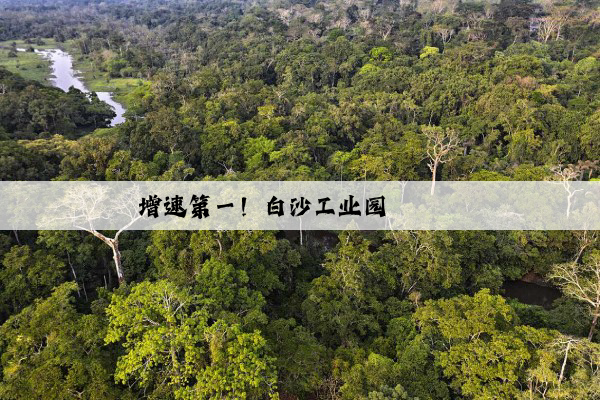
(31, 65)
(27, 64)
(97, 80)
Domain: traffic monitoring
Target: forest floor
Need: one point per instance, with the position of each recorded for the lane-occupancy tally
(32, 66)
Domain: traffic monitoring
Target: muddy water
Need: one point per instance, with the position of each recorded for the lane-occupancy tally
(531, 293)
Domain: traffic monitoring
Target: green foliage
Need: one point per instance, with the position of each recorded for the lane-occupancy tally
(479, 190)
(297, 90)
(52, 351)
(429, 51)
(257, 151)
(27, 275)
(339, 305)
(381, 54)
(173, 347)
(28, 109)
(481, 347)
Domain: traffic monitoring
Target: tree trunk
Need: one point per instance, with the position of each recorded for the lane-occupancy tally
(403, 184)
(301, 238)
(433, 173)
(84, 291)
(564, 364)
(114, 245)
(17, 236)
(594, 322)
(74, 274)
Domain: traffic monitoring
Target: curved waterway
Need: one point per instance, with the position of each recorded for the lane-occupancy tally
(64, 77)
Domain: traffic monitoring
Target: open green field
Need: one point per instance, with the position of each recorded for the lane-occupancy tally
(32, 66)
(27, 64)
(97, 80)
(48, 43)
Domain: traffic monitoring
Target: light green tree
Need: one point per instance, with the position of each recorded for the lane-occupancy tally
(50, 351)
(582, 282)
(174, 349)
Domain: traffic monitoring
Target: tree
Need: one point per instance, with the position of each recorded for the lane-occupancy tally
(362, 166)
(489, 368)
(389, 151)
(181, 245)
(444, 32)
(84, 206)
(552, 24)
(421, 262)
(385, 24)
(567, 176)
(27, 275)
(590, 136)
(302, 361)
(478, 345)
(429, 51)
(174, 348)
(167, 131)
(341, 305)
(441, 146)
(548, 27)
(518, 27)
(587, 228)
(52, 351)
(479, 190)
(582, 282)
(339, 159)
(302, 186)
(88, 158)
(566, 367)
(224, 291)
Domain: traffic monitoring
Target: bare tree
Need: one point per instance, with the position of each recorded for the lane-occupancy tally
(587, 230)
(489, 10)
(85, 208)
(563, 344)
(567, 177)
(548, 26)
(438, 6)
(385, 25)
(441, 147)
(553, 24)
(444, 33)
(581, 282)
(474, 26)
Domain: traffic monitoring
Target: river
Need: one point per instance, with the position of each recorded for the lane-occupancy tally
(64, 77)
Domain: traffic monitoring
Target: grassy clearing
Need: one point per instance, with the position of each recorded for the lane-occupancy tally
(32, 66)
(28, 65)
(99, 81)
(48, 44)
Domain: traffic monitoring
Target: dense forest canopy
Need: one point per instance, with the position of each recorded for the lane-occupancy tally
(304, 90)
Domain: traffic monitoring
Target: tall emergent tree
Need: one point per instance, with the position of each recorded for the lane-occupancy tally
(84, 206)
(567, 177)
(573, 173)
(441, 144)
(582, 282)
